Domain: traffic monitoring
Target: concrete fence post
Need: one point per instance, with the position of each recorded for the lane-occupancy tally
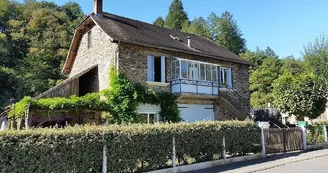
(224, 153)
(174, 156)
(325, 132)
(104, 163)
(304, 138)
(262, 142)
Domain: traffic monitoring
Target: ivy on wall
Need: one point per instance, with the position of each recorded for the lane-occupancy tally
(121, 100)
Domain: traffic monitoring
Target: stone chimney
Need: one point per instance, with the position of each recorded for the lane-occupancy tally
(98, 7)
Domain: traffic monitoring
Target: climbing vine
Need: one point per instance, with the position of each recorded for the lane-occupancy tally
(120, 100)
(124, 98)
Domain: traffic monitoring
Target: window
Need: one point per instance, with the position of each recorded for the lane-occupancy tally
(156, 69)
(175, 68)
(184, 69)
(193, 71)
(214, 73)
(202, 72)
(149, 118)
(208, 72)
(89, 39)
(225, 76)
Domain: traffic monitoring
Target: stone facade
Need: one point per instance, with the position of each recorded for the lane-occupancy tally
(101, 53)
(133, 62)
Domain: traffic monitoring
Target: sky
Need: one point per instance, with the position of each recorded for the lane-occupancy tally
(284, 25)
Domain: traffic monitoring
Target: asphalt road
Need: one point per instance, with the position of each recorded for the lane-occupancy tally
(317, 165)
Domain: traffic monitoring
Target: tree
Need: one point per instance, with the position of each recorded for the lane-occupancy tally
(159, 21)
(255, 58)
(292, 66)
(225, 31)
(261, 80)
(315, 57)
(197, 27)
(34, 41)
(301, 95)
(176, 17)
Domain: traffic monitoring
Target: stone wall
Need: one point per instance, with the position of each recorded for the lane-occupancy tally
(133, 62)
(101, 53)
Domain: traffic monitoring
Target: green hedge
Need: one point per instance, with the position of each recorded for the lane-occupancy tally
(316, 133)
(131, 148)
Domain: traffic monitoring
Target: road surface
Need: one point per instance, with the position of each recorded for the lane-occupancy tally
(298, 162)
(316, 165)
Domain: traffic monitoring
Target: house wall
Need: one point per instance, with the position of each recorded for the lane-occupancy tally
(133, 62)
(101, 53)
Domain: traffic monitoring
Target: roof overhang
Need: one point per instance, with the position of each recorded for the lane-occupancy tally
(80, 30)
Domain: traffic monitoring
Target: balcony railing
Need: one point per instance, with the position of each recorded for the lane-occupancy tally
(194, 87)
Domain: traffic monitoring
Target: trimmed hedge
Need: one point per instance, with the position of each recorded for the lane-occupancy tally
(130, 148)
(316, 133)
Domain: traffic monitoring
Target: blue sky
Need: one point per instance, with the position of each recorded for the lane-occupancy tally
(284, 25)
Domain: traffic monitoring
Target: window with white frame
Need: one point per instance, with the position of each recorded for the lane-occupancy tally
(156, 69)
(149, 118)
(194, 70)
(225, 77)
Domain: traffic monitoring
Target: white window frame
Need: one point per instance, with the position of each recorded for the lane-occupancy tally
(150, 113)
(207, 76)
(151, 77)
(222, 78)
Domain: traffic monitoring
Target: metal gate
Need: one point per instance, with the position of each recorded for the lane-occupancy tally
(282, 140)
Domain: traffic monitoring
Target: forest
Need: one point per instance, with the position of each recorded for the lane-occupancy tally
(35, 37)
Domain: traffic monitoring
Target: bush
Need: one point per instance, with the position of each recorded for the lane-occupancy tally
(130, 148)
(316, 134)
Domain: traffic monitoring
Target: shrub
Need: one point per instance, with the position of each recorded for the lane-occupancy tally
(130, 148)
(316, 134)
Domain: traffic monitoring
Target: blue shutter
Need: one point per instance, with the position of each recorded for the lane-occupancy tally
(150, 68)
(163, 66)
(229, 73)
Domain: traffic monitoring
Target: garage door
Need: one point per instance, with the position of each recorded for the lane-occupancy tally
(191, 112)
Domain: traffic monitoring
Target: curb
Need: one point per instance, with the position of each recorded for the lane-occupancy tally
(209, 164)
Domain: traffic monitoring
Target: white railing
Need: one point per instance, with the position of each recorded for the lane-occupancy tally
(194, 87)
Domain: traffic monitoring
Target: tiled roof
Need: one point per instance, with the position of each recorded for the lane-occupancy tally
(137, 32)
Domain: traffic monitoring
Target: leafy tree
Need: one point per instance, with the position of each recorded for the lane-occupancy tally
(197, 27)
(292, 66)
(159, 21)
(301, 95)
(34, 41)
(225, 31)
(176, 17)
(255, 58)
(315, 57)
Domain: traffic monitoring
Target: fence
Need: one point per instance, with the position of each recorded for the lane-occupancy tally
(282, 140)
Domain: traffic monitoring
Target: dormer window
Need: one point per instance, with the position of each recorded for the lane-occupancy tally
(89, 39)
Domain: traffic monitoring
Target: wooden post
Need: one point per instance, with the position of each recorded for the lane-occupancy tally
(284, 139)
(304, 138)
(263, 142)
(224, 154)
(174, 156)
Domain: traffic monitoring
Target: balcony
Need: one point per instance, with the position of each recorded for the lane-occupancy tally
(179, 86)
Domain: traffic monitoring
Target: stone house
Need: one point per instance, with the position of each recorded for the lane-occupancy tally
(211, 82)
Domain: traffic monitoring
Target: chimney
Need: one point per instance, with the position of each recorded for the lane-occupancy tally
(188, 41)
(98, 7)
